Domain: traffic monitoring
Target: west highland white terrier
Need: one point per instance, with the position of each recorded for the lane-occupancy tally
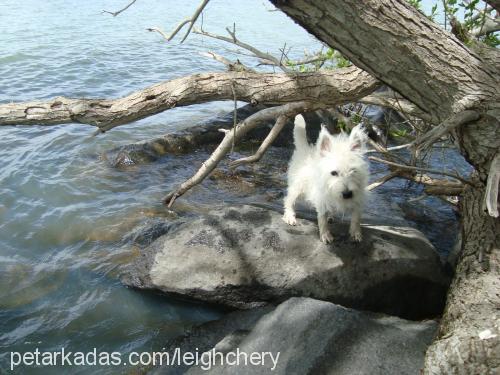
(331, 176)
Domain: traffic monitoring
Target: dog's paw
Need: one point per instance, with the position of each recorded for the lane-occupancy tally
(289, 218)
(326, 237)
(356, 235)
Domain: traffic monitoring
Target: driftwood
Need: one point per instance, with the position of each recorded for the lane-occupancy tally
(329, 88)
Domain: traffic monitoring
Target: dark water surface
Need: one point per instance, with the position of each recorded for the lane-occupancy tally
(64, 212)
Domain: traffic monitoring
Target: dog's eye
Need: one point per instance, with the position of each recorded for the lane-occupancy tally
(334, 173)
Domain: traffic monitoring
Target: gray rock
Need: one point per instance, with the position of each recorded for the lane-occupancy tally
(312, 337)
(244, 256)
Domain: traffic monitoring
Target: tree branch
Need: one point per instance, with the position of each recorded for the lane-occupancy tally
(412, 168)
(233, 40)
(190, 20)
(433, 135)
(114, 14)
(399, 104)
(490, 25)
(329, 87)
(288, 110)
(236, 66)
(278, 126)
(381, 181)
(439, 81)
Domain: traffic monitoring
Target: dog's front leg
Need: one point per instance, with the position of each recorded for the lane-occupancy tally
(289, 215)
(324, 232)
(355, 227)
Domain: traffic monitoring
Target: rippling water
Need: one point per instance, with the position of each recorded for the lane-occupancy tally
(63, 210)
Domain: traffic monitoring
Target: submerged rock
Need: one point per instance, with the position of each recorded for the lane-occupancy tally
(311, 337)
(245, 256)
(191, 139)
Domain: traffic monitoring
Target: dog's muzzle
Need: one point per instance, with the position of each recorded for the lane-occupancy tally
(347, 194)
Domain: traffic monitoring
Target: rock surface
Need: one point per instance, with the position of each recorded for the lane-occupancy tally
(312, 337)
(244, 256)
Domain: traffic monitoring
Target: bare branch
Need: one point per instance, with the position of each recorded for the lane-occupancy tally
(236, 66)
(233, 40)
(381, 181)
(390, 100)
(490, 25)
(114, 14)
(432, 186)
(435, 134)
(278, 126)
(412, 168)
(190, 20)
(491, 194)
(388, 149)
(288, 110)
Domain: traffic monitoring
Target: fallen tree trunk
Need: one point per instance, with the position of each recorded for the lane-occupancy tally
(404, 49)
(328, 87)
(443, 77)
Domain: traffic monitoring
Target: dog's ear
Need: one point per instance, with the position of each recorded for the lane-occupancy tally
(324, 143)
(358, 138)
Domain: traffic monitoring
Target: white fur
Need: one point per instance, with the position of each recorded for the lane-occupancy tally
(310, 176)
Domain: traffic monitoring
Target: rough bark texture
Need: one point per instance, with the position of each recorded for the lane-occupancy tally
(466, 341)
(332, 87)
(405, 50)
(435, 71)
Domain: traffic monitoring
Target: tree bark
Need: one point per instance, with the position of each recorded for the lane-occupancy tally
(329, 87)
(466, 342)
(401, 47)
(438, 73)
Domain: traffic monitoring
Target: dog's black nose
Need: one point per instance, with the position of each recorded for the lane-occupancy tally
(347, 194)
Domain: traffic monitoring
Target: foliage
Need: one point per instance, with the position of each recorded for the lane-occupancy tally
(330, 59)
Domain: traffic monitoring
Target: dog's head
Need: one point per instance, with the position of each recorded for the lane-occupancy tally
(342, 168)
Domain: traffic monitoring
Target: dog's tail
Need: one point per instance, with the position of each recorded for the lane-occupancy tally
(299, 133)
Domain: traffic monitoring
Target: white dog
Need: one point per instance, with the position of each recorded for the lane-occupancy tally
(332, 176)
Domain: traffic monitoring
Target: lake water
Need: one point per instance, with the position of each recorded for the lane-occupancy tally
(64, 211)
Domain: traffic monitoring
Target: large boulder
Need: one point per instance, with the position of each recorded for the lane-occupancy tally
(244, 256)
(311, 337)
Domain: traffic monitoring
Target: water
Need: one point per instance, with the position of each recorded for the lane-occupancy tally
(64, 211)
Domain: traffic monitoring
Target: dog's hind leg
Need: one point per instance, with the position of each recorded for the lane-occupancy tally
(324, 232)
(355, 227)
(289, 215)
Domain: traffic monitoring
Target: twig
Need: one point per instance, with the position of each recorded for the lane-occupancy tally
(290, 109)
(381, 181)
(395, 102)
(233, 40)
(190, 20)
(394, 148)
(114, 14)
(278, 126)
(432, 136)
(236, 66)
(434, 171)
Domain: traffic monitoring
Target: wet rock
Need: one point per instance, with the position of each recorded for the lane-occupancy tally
(244, 256)
(150, 230)
(312, 337)
(188, 140)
